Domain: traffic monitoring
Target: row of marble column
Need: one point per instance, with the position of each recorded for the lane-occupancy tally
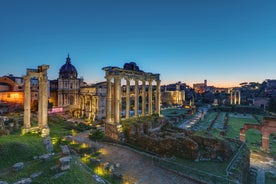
(64, 98)
(237, 97)
(91, 109)
(118, 96)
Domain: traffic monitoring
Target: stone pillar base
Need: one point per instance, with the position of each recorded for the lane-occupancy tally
(25, 131)
(113, 131)
(45, 132)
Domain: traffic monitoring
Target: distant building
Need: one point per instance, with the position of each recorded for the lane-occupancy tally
(173, 94)
(260, 102)
(12, 90)
(68, 86)
(72, 94)
(200, 87)
(271, 83)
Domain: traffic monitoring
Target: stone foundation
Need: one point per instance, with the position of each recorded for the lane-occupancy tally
(44, 131)
(113, 131)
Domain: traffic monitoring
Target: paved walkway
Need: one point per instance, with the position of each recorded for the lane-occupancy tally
(263, 163)
(135, 168)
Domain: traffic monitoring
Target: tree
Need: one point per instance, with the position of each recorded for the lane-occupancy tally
(272, 104)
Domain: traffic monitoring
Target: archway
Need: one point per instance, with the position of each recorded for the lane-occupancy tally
(272, 143)
(253, 139)
(267, 127)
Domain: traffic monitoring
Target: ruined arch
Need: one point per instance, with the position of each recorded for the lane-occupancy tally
(267, 127)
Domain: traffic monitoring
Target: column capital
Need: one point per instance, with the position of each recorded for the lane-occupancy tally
(108, 77)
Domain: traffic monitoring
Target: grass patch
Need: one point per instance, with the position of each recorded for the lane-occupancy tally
(173, 112)
(270, 178)
(207, 171)
(235, 123)
(17, 148)
(58, 126)
(77, 173)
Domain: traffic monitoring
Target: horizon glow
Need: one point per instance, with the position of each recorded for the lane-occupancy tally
(224, 42)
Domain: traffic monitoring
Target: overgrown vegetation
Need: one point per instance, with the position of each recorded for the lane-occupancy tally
(17, 148)
(96, 134)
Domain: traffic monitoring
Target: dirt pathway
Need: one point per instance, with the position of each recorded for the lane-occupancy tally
(135, 167)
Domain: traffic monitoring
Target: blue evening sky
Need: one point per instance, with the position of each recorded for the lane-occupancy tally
(223, 41)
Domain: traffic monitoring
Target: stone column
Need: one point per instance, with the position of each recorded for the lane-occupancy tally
(158, 97)
(81, 106)
(59, 99)
(235, 97)
(108, 100)
(127, 98)
(136, 112)
(27, 103)
(231, 97)
(239, 97)
(143, 97)
(242, 134)
(117, 113)
(150, 98)
(265, 141)
(90, 107)
(44, 100)
(40, 93)
(79, 115)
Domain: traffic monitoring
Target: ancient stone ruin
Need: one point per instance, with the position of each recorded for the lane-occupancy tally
(114, 95)
(42, 115)
(267, 127)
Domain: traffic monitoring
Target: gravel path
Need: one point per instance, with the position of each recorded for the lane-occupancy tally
(135, 167)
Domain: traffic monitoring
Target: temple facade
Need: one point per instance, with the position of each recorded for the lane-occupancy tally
(150, 100)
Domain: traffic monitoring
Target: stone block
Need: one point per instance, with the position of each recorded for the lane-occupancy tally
(98, 179)
(24, 181)
(18, 166)
(58, 175)
(3, 182)
(95, 161)
(36, 174)
(45, 157)
(64, 163)
(117, 176)
(65, 150)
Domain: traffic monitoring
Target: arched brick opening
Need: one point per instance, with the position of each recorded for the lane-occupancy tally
(267, 127)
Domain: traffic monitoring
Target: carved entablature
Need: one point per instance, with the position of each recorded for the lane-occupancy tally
(40, 71)
(130, 73)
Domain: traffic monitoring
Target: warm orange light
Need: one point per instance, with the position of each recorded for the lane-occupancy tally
(103, 151)
(12, 97)
(84, 145)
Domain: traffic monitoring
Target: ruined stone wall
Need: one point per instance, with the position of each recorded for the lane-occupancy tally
(169, 144)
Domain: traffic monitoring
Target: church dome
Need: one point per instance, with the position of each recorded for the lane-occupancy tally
(68, 71)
